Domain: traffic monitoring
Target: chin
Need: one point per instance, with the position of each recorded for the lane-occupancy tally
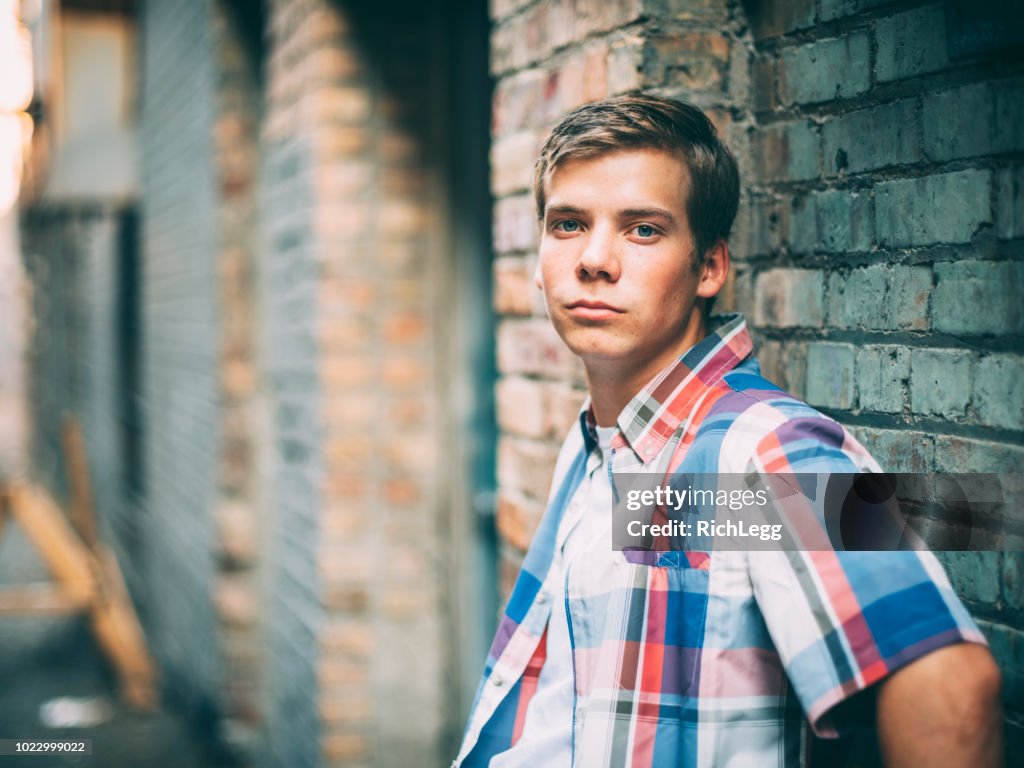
(592, 349)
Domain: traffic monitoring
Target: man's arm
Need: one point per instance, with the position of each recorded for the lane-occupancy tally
(943, 709)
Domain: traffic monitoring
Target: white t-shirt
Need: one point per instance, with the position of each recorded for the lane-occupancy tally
(546, 741)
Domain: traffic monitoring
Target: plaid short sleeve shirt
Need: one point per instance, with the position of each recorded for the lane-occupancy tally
(709, 659)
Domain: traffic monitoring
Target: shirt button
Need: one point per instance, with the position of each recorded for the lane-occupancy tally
(542, 598)
(498, 682)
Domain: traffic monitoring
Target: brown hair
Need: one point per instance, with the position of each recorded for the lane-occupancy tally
(642, 121)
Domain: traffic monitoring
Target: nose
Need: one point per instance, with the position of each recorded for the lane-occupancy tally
(599, 259)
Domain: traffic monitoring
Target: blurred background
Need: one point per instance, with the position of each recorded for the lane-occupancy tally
(274, 258)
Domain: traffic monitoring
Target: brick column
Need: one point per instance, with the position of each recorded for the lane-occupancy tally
(239, 509)
(353, 224)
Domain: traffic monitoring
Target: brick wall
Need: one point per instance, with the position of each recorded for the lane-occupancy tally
(876, 251)
(884, 287)
(352, 229)
(239, 510)
(181, 351)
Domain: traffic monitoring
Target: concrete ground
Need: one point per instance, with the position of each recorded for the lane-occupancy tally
(45, 658)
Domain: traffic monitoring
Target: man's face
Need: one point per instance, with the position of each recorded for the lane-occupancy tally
(617, 259)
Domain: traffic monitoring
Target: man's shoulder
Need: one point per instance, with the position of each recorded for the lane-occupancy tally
(744, 389)
(748, 418)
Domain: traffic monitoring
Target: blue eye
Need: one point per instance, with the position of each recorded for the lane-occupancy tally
(646, 230)
(568, 225)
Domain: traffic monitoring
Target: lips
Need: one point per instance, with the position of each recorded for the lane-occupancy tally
(586, 309)
(585, 304)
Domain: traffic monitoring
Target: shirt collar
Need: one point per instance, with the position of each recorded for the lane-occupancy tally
(654, 413)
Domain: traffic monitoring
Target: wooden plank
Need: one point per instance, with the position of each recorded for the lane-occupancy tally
(39, 600)
(67, 558)
(89, 579)
(81, 509)
(120, 636)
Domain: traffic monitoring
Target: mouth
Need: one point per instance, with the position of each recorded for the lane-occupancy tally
(592, 310)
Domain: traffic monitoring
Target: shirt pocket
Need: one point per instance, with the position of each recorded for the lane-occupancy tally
(641, 633)
(671, 626)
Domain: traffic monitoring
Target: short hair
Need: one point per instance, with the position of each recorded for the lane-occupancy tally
(643, 121)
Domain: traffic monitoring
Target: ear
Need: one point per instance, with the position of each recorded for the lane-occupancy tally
(714, 271)
(537, 280)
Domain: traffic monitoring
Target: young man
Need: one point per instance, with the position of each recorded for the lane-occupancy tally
(608, 658)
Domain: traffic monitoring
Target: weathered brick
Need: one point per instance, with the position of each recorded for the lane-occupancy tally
(962, 454)
(872, 138)
(520, 406)
(784, 364)
(826, 70)
(833, 221)
(830, 375)
(959, 122)
(514, 290)
(834, 9)
(561, 24)
(787, 151)
(972, 297)
(759, 227)
(501, 9)
(346, 746)
(532, 347)
(1010, 219)
(595, 72)
(561, 407)
(764, 82)
(882, 373)
(520, 40)
(517, 518)
(773, 18)
(738, 76)
(998, 394)
(911, 43)
(1007, 646)
(803, 224)
(880, 297)
(526, 466)
(625, 65)
(940, 382)
(789, 298)
(346, 712)
(689, 10)
(1013, 580)
(236, 601)
(237, 533)
(945, 208)
(518, 102)
(599, 16)
(1008, 132)
(897, 450)
(512, 160)
(696, 61)
(564, 90)
(515, 224)
(974, 575)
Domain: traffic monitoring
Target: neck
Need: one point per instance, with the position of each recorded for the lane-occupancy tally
(613, 383)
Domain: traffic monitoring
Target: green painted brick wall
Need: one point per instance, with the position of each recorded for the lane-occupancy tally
(890, 170)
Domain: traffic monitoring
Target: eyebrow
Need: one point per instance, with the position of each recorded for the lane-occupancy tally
(647, 213)
(625, 213)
